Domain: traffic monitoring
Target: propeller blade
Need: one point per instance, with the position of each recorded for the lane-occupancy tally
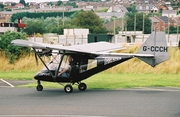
(36, 58)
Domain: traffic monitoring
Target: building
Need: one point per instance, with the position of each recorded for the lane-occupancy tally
(169, 13)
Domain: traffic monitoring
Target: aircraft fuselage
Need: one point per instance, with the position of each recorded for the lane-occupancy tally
(84, 67)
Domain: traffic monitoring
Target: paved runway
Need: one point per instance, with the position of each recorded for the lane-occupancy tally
(27, 102)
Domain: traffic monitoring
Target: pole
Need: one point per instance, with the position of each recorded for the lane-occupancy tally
(114, 26)
(177, 30)
(152, 25)
(134, 24)
(63, 13)
(143, 27)
(168, 27)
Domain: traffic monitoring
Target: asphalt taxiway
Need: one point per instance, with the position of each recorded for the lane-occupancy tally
(139, 102)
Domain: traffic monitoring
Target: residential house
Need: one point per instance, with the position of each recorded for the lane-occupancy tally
(109, 15)
(106, 4)
(33, 5)
(9, 3)
(117, 8)
(132, 1)
(147, 8)
(19, 6)
(168, 5)
(176, 21)
(146, 1)
(155, 23)
(163, 7)
(5, 15)
(88, 5)
(161, 2)
(163, 23)
(169, 13)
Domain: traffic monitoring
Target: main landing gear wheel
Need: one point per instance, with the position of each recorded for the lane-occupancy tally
(68, 88)
(82, 86)
(39, 88)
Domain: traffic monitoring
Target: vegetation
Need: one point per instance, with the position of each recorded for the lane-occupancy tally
(105, 80)
(88, 19)
(56, 24)
(12, 52)
(137, 21)
(22, 2)
(132, 8)
(44, 15)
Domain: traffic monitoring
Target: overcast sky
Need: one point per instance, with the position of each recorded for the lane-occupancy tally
(29, 0)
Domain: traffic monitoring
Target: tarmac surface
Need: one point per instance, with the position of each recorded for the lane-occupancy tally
(137, 102)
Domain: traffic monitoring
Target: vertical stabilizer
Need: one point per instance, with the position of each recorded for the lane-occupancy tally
(156, 45)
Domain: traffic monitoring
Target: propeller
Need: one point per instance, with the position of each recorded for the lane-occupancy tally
(42, 52)
(35, 55)
(36, 58)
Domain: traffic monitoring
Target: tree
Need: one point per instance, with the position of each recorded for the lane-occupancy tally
(12, 52)
(59, 3)
(139, 22)
(13, 4)
(50, 4)
(1, 6)
(71, 4)
(88, 19)
(22, 2)
(35, 26)
(132, 8)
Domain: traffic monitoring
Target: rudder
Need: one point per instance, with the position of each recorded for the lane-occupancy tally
(156, 45)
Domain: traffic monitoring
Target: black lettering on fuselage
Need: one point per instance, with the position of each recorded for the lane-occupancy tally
(155, 48)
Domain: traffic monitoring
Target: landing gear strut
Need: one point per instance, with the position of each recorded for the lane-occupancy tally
(39, 86)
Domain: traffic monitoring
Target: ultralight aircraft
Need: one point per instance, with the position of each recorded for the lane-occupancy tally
(89, 59)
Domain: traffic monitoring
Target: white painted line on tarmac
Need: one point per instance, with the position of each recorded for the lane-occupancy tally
(48, 116)
(7, 83)
(155, 89)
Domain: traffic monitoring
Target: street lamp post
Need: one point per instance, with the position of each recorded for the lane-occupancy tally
(143, 27)
(135, 24)
(178, 29)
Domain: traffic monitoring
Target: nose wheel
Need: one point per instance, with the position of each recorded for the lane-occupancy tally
(39, 86)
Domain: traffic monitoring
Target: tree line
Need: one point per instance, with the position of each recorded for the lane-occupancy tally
(41, 23)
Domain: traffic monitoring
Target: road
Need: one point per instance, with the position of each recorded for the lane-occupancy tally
(140, 102)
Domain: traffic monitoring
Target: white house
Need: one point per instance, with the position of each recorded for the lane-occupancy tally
(169, 13)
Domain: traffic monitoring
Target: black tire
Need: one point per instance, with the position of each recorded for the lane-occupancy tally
(82, 87)
(39, 88)
(68, 88)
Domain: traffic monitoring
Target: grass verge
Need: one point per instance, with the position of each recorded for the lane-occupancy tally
(106, 80)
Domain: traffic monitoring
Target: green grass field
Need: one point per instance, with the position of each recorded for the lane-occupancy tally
(106, 80)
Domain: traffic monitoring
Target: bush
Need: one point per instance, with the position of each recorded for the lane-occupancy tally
(12, 52)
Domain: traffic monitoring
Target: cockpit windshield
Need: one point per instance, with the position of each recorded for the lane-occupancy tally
(54, 62)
